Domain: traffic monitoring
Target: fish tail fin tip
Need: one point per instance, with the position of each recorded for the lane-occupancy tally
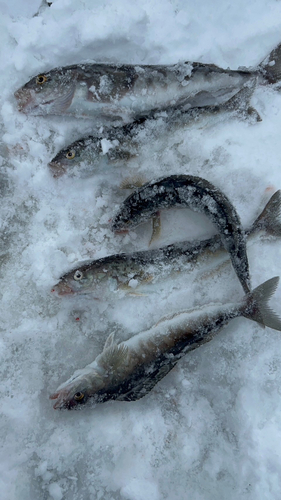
(257, 308)
(270, 67)
(269, 218)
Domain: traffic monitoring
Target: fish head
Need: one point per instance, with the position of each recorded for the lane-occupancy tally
(81, 280)
(47, 93)
(73, 158)
(74, 394)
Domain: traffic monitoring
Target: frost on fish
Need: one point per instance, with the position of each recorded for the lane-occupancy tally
(188, 191)
(119, 272)
(118, 94)
(119, 145)
(129, 370)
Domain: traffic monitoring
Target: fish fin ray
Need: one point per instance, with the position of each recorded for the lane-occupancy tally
(156, 228)
(256, 307)
(240, 102)
(268, 220)
(110, 341)
(133, 182)
(62, 103)
(117, 154)
(270, 67)
(114, 357)
(242, 98)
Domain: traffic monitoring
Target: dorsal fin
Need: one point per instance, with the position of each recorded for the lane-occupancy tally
(109, 341)
(114, 357)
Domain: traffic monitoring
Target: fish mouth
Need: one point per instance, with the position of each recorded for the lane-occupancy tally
(62, 289)
(62, 403)
(58, 403)
(57, 169)
(29, 102)
(24, 98)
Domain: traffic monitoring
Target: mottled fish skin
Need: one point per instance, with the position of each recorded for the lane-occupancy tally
(115, 272)
(129, 370)
(118, 94)
(187, 191)
(87, 155)
(118, 145)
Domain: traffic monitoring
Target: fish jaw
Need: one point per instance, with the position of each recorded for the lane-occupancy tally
(37, 103)
(65, 400)
(62, 289)
(57, 169)
(76, 391)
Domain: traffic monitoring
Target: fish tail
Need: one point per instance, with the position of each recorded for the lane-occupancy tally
(269, 218)
(256, 305)
(271, 66)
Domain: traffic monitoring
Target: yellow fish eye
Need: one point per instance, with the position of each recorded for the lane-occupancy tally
(78, 396)
(78, 275)
(41, 79)
(70, 154)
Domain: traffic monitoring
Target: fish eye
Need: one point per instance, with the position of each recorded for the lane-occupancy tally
(41, 79)
(78, 275)
(78, 396)
(70, 154)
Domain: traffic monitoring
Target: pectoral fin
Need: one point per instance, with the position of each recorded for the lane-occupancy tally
(110, 341)
(114, 357)
(240, 102)
(133, 182)
(156, 227)
(117, 154)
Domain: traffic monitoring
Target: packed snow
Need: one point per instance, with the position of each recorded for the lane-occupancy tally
(212, 427)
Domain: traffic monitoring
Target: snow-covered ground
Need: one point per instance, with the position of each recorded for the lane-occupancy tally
(211, 429)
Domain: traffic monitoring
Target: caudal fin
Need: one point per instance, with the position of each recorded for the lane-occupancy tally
(257, 308)
(269, 218)
(271, 66)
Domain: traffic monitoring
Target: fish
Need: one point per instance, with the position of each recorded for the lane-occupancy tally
(198, 194)
(129, 370)
(127, 272)
(119, 145)
(117, 94)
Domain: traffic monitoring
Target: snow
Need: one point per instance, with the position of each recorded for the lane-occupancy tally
(212, 427)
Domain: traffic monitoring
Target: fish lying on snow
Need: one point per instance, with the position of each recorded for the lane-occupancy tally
(188, 191)
(129, 370)
(120, 94)
(118, 145)
(128, 271)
